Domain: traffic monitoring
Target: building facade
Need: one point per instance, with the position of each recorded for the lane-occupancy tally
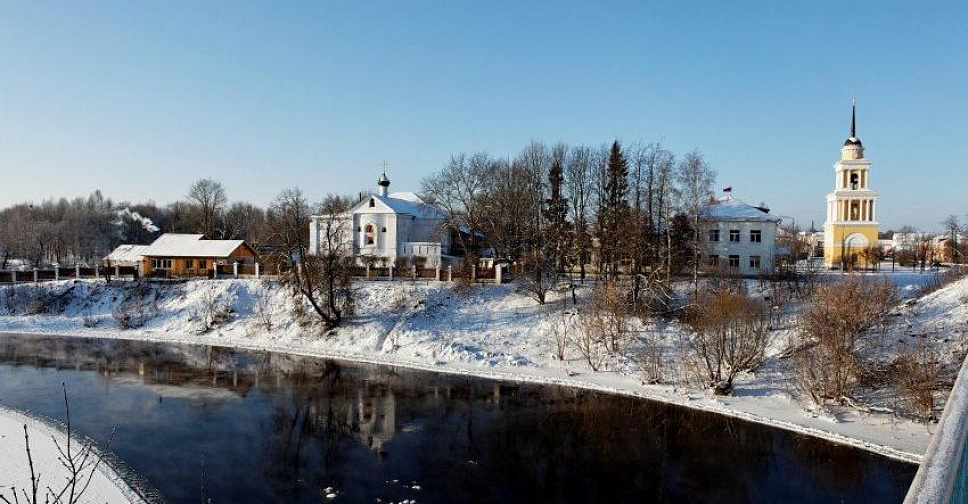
(385, 227)
(851, 226)
(737, 238)
(189, 255)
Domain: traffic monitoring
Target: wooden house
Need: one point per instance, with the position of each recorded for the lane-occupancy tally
(189, 255)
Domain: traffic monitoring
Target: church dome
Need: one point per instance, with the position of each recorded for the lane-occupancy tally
(853, 141)
(384, 181)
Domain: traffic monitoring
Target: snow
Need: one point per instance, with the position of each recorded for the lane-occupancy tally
(106, 485)
(127, 253)
(729, 208)
(492, 332)
(190, 245)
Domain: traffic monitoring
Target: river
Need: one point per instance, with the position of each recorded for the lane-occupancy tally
(210, 424)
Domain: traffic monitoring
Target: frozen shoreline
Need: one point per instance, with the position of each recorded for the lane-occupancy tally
(697, 400)
(107, 486)
(494, 333)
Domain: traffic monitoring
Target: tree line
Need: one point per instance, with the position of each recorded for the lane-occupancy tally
(559, 208)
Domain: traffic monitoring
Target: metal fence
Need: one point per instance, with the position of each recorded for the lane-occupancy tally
(943, 475)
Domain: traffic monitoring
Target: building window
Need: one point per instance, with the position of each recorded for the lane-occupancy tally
(368, 238)
(383, 229)
(755, 262)
(372, 202)
(734, 261)
(202, 264)
(713, 260)
(714, 235)
(756, 236)
(734, 235)
(161, 264)
(188, 264)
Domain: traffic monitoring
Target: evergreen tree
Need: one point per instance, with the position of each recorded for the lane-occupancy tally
(557, 229)
(614, 213)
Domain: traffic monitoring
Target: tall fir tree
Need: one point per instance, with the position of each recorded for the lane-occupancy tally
(615, 212)
(557, 229)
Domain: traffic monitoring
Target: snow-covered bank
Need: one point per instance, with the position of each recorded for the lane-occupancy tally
(106, 485)
(493, 332)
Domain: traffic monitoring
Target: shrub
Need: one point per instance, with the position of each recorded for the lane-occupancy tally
(730, 333)
(915, 375)
(827, 365)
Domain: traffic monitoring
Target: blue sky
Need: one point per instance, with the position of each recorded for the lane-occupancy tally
(139, 99)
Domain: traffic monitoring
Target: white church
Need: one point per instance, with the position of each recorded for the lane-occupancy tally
(384, 227)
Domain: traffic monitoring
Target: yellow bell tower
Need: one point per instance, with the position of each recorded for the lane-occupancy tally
(851, 226)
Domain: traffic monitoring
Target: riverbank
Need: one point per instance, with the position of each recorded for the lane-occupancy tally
(492, 332)
(106, 485)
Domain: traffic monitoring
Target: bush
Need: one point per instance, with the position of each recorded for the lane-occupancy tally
(915, 375)
(603, 325)
(827, 365)
(135, 309)
(730, 333)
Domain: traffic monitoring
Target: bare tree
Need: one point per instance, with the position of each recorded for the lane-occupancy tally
(578, 184)
(731, 331)
(458, 189)
(828, 365)
(695, 188)
(953, 226)
(915, 376)
(208, 198)
(322, 276)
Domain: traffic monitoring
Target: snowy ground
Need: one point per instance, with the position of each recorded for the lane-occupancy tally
(105, 487)
(491, 331)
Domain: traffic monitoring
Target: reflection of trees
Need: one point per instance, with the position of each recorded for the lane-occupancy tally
(313, 423)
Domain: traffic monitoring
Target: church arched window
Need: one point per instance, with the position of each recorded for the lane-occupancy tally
(368, 238)
(854, 181)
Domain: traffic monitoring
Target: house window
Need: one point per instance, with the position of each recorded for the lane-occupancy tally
(202, 264)
(734, 235)
(755, 262)
(161, 264)
(368, 238)
(734, 261)
(756, 236)
(188, 264)
(714, 261)
(714, 235)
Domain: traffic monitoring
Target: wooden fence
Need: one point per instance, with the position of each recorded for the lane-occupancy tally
(444, 274)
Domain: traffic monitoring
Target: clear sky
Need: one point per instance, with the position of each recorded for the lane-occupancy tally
(139, 99)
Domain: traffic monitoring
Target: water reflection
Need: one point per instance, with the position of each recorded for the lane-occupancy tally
(279, 428)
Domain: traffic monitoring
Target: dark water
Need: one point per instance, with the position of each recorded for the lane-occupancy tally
(239, 426)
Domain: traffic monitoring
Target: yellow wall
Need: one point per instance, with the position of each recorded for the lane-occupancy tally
(244, 253)
(834, 240)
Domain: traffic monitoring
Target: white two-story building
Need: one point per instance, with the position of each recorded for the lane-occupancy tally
(737, 238)
(384, 227)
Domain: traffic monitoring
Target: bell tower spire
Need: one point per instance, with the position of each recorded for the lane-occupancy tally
(853, 118)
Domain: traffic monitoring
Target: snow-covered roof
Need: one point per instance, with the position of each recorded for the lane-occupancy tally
(190, 245)
(405, 203)
(729, 208)
(127, 253)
